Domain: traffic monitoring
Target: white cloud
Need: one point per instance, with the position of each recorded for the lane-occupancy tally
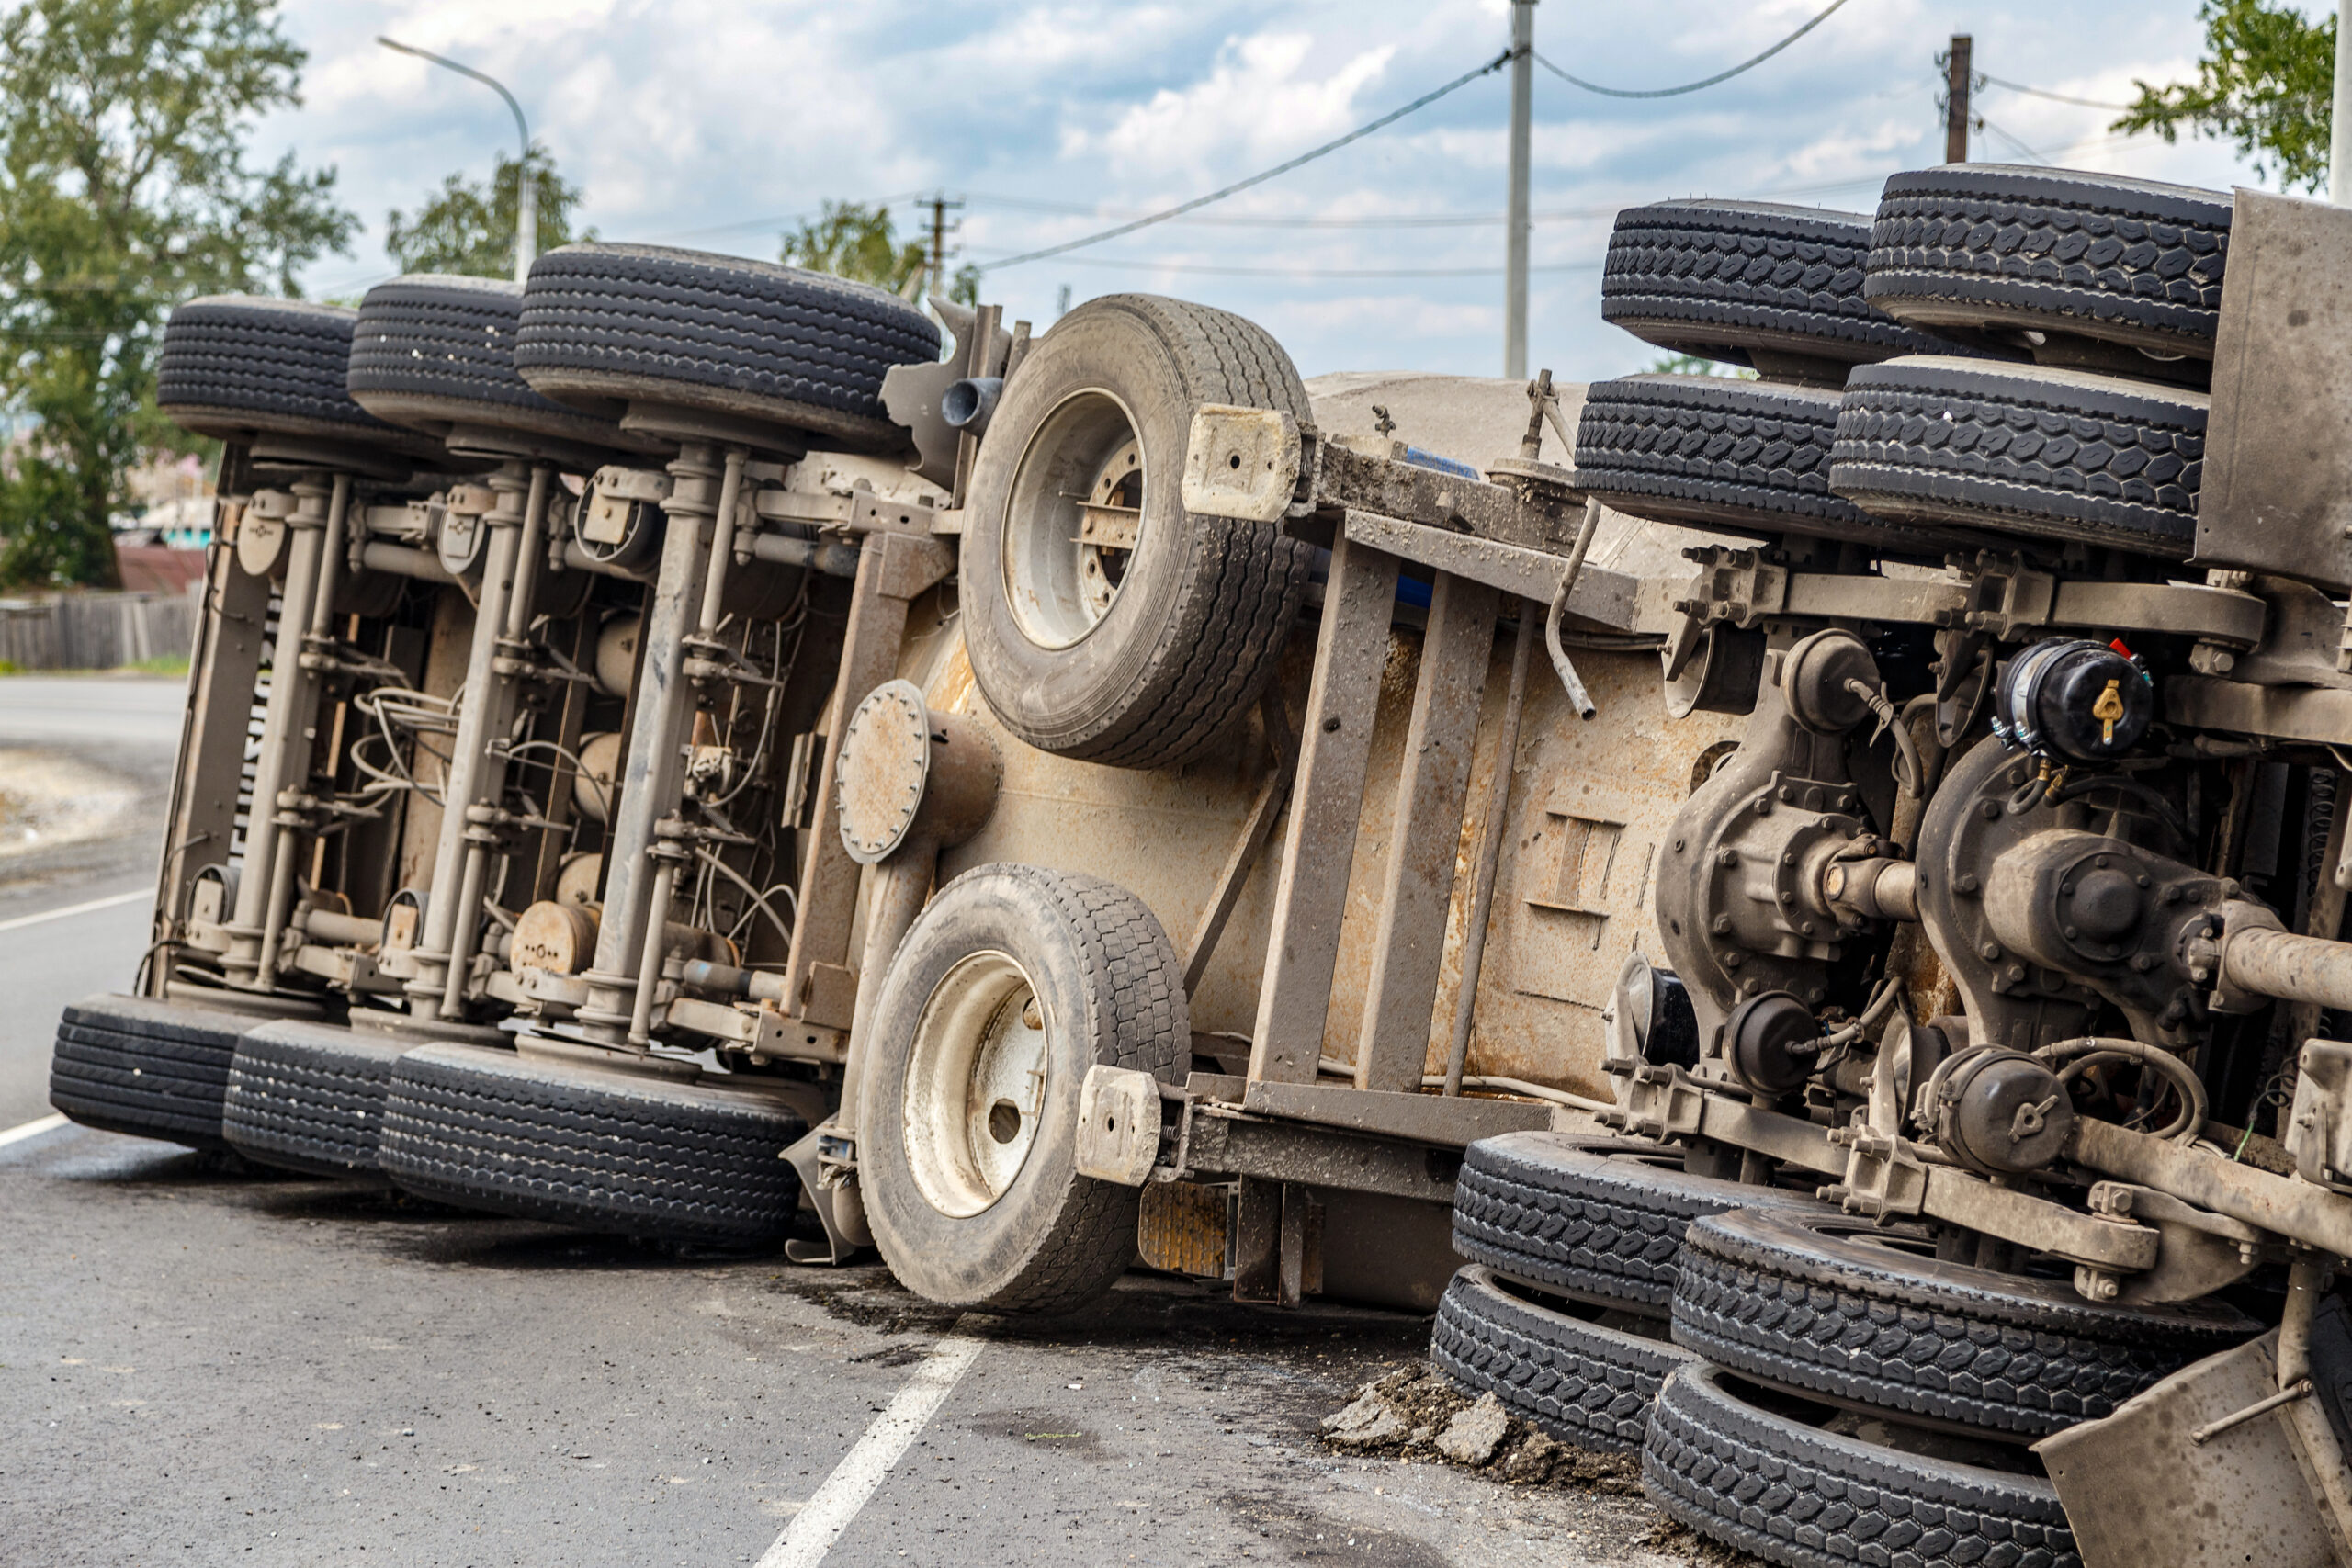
(687, 120)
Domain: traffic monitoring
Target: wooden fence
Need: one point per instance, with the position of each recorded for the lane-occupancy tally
(98, 631)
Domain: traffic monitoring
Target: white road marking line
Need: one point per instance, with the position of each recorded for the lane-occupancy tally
(32, 1128)
(822, 1518)
(22, 921)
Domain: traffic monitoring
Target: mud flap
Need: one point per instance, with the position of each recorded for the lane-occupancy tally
(2276, 1490)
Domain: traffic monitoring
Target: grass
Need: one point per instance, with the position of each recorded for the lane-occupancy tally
(165, 664)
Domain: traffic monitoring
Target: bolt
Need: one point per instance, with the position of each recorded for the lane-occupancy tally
(2071, 933)
(2097, 1284)
(2144, 962)
(1788, 857)
(1677, 846)
(1331, 724)
(1787, 896)
(1966, 882)
(1726, 857)
(1733, 960)
(1815, 995)
(1990, 811)
(1723, 925)
(2017, 974)
(2142, 879)
(1991, 951)
(1805, 928)
(2067, 889)
(2101, 862)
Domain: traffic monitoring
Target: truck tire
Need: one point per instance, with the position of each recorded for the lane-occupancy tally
(310, 1097)
(606, 325)
(1604, 1227)
(1724, 1462)
(235, 368)
(1733, 280)
(1857, 1315)
(1575, 1379)
(2023, 450)
(1138, 656)
(149, 1069)
(1711, 452)
(1980, 247)
(432, 351)
(590, 1147)
(1010, 985)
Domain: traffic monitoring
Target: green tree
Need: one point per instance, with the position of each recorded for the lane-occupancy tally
(469, 229)
(852, 240)
(1691, 365)
(2267, 82)
(125, 188)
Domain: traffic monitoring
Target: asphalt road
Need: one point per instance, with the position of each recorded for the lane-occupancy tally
(203, 1365)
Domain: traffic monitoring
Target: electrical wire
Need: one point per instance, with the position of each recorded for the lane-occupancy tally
(1747, 64)
(1488, 68)
(1985, 81)
(1310, 273)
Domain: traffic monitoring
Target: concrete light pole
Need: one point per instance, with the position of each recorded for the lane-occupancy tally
(526, 204)
(1522, 86)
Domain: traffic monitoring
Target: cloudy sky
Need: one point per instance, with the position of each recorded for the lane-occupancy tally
(717, 123)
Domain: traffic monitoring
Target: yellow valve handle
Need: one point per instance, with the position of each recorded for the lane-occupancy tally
(2108, 709)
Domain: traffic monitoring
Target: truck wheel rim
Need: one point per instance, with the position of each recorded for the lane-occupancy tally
(1073, 519)
(976, 1085)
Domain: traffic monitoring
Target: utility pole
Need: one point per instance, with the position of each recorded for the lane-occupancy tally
(1956, 99)
(1522, 90)
(2339, 129)
(940, 208)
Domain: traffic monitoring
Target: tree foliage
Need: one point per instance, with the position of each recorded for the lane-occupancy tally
(852, 240)
(470, 227)
(2267, 82)
(125, 188)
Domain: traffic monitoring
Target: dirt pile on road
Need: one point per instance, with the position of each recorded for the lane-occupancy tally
(1417, 1414)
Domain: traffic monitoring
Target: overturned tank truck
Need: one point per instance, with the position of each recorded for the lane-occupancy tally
(673, 752)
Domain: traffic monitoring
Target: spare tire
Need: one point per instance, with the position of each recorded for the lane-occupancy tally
(2023, 450)
(1593, 1223)
(603, 325)
(1761, 1475)
(1987, 247)
(150, 1068)
(591, 1147)
(1554, 1366)
(1712, 452)
(236, 367)
(1752, 283)
(1011, 986)
(310, 1097)
(431, 351)
(1854, 1313)
(1137, 645)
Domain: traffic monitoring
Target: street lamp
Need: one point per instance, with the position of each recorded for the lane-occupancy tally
(526, 205)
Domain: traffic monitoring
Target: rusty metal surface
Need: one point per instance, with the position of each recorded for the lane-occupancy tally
(2277, 492)
(1326, 808)
(1321, 1157)
(1183, 1226)
(1408, 939)
(1453, 1121)
(2139, 1493)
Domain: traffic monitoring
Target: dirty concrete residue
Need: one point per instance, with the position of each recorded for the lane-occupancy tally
(49, 798)
(1417, 1414)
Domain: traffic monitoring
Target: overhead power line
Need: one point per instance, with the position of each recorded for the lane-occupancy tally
(1491, 66)
(2054, 98)
(1308, 273)
(1747, 64)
